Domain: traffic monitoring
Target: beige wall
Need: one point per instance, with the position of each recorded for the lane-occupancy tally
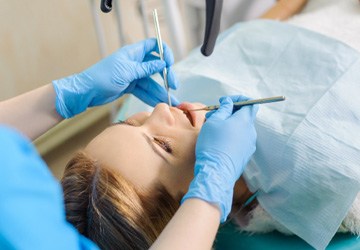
(42, 40)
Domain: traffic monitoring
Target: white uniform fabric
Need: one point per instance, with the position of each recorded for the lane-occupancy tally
(339, 19)
(306, 166)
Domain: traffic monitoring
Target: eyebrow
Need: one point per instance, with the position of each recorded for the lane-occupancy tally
(147, 138)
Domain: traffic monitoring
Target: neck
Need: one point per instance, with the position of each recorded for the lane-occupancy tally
(239, 213)
(241, 193)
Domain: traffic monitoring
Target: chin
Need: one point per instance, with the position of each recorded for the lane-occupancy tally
(257, 220)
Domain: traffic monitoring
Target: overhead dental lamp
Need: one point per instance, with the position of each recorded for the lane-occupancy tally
(213, 16)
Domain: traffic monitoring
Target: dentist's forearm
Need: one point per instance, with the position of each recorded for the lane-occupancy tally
(32, 113)
(284, 9)
(194, 226)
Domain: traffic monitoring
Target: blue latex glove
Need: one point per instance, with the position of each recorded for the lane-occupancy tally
(224, 146)
(32, 212)
(128, 70)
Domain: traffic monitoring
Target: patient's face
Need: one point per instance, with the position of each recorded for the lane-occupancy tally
(152, 147)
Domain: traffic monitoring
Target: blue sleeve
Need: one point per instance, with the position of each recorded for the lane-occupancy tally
(32, 214)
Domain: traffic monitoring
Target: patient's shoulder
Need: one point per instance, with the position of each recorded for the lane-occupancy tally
(258, 220)
(351, 223)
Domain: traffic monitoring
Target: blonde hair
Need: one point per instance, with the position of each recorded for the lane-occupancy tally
(109, 210)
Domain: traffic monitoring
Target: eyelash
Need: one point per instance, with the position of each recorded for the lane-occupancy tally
(129, 122)
(165, 144)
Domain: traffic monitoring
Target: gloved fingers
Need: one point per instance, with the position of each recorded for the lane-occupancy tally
(172, 80)
(151, 57)
(151, 100)
(171, 77)
(255, 109)
(145, 97)
(252, 109)
(239, 98)
(158, 91)
(246, 113)
(146, 69)
(152, 93)
(168, 55)
(140, 50)
(146, 46)
(150, 45)
(225, 110)
(174, 101)
(209, 114)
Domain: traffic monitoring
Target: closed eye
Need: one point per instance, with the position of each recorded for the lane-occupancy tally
(164, 144)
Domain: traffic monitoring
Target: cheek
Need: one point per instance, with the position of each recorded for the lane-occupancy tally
(181, 172)
(186, 150)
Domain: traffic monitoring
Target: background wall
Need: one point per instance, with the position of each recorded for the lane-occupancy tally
(43, 40)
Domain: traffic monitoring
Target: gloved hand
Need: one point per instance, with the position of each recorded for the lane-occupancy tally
(224, 146)
(128, 70)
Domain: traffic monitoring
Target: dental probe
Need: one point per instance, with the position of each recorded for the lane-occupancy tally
(238, 105)
(161, 51)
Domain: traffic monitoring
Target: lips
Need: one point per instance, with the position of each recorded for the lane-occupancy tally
(191, 115)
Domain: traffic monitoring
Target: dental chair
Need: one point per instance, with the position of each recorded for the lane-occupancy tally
(229, 237)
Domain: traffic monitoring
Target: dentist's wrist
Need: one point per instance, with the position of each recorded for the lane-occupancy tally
(72, 96)
(211, 185)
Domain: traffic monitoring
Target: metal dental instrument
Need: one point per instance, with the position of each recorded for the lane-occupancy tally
(238, 105)
(161, 52)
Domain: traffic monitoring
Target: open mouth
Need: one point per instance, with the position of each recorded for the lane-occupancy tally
(191, 115)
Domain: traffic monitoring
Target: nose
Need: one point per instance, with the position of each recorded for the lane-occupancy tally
(162, 113)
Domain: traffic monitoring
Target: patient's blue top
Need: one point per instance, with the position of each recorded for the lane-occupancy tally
(32, 214)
